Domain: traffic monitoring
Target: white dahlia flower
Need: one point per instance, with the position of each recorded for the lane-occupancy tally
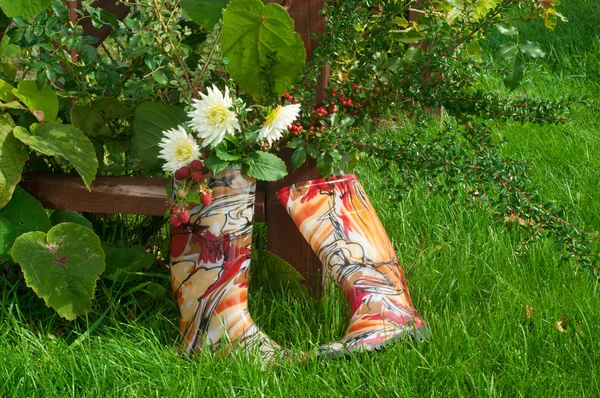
(277, 121)
(178, 149)
(211, 117)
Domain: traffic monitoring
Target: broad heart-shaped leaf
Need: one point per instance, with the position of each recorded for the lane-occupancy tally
(151, 119)
(62, 267)
(26, 213)
(66, 141)
(21, 215)
(27, 9)
(272, 272)
(251, 33)
(44, 100)
(266, 167)
(122, 260)
(205, 13)
(62, 216)
(13, 155)
(506, 51)
(93, 118)
(8, 235)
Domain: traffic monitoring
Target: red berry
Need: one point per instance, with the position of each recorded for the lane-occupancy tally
(355, 86)
(334, 91)
(322, 127)
(183, 173)
(196, 165)
(174, 209)
(175, 221)
(332, 103)
(312, 128)
(184, 217)
(197, 176)
(377, 89)
(206, 199)
(334, 110)
(342, 97)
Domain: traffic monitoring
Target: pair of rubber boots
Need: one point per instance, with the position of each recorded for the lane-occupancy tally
(210, 262)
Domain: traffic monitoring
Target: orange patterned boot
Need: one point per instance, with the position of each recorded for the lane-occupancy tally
(340, 224)
(210, 263)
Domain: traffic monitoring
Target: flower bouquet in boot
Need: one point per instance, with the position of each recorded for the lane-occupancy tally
(215, 160)
(340, 224)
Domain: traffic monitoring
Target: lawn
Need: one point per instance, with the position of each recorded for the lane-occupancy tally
(501, 324)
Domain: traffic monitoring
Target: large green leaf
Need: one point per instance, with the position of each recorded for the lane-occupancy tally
(25, 213)
(251, 33)
(204, 12)
(120, 261)
(13, 155)
(93, 118)
(44, 100)
(66, 141)
(8, 235)
(62, 216)
(274, 273)
(265, 166)
(62, 267)
(150, 121)
(27, 9)
(6, 94)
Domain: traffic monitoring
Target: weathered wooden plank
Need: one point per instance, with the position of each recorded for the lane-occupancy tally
(110, 195)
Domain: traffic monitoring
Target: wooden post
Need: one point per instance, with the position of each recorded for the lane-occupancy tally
(283, 237)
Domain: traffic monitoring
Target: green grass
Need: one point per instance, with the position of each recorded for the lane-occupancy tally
(462, 272)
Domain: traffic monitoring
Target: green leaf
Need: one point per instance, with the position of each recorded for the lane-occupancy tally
(13, 155)
(474, 48)
(298, 158)
(120, 261)
(8, 235)
(151, 119)
(94, 117)
(160, 77)
(507, 29)
(408, 36)
(266, 167)
(506, 51)
(25, 213)
(296, 142)
(193, 197)
(66, 141)
(6, 94)
(325, 164)
(27, 9)
(221, 154)
(532, 49)
(215, 164)
(252, 32)
(61, 216)
(274, 273)
(513, 80)
(44, 100)
(205, 13)
(62, 267)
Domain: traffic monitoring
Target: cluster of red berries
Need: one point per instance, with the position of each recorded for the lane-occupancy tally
(179, 214)
(291, 98)
(194, 170)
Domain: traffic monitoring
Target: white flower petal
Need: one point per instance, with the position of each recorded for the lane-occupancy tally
(211, 117)
(178, 149)
(277, 121)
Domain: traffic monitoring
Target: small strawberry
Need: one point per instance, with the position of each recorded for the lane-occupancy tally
(196, 165)
(197, 176)
(175, 221)
(183, 173)
(184, 217)
(206, 199)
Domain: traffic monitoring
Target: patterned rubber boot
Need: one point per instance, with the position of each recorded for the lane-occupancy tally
(340, 224)
(210, 263)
